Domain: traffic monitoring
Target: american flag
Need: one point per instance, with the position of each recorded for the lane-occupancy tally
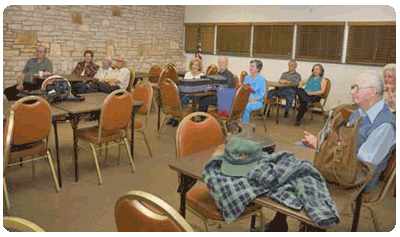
(197, 53)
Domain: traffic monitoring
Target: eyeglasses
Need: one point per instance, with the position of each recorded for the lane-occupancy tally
(356, 88)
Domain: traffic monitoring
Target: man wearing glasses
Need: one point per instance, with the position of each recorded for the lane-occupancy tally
(377, 132)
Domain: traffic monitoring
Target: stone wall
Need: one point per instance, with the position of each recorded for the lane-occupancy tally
(146, 35)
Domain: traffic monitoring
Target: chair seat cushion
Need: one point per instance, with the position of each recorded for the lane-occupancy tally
(199, 199)
(91, 134)
(138, 125)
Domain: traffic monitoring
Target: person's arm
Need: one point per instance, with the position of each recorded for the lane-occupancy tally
(377, 145)
(284, 79)
(309, 139)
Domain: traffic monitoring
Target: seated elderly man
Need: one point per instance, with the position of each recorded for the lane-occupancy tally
(121, 75)
(288, 93)
(377, 133)
(33, 74)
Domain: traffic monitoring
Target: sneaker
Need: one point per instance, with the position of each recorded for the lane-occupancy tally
(170, 121)
(297, 123)
(175, 123)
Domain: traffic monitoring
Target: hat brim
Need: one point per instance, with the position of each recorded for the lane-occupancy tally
(236, 170)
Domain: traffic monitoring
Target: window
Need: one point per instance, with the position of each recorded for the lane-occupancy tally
(372, 43)
(273, 40)
(190, 38)
(233, 39)
(321, 41)
(206, 37)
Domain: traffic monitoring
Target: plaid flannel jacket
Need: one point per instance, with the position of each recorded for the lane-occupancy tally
(279, 176)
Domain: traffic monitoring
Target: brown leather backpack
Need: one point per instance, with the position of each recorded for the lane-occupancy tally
(336, 156)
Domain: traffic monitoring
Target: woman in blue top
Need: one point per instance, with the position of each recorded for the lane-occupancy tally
(257, 83)
(315, 88)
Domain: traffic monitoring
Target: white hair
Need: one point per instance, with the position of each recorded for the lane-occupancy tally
(373, 79)
(391, 66)
(223, 59)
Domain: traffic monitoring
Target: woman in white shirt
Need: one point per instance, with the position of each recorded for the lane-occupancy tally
(195, 67)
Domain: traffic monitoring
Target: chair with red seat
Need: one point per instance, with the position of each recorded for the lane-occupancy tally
(193, 136)
(238, 106)
(115, 118)
(170, 100)
(26, 135)
(139, 211)
(143, 92)
(212, 69)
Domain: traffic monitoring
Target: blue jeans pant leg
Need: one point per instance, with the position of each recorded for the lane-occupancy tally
(250, 107)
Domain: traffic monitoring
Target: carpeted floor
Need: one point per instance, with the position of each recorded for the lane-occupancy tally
(85, 206)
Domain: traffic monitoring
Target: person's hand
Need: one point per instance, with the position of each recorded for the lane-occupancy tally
(389, 88)
(20, 86)
(309, 139)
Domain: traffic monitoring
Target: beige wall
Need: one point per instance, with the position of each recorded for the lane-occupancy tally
(340, 74)
(146, 35)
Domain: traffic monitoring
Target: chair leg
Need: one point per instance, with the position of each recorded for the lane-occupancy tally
(161, 124)
(96, 162)
(53, 171)
(106, 150)
(129, 154)
(6, 196)
(225, 128)
(147, 143)
(374, 218)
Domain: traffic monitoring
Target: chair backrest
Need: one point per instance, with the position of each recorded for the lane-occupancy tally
(139, 211)
(143, 92)
(131, 80)
(239, 103)
(50, 79)
(20, 225)
(324, 97)
(243, 74)
(171, 66)
(388, 176)
(236, 81)
(8, 133)
(169, 94)
(116, 112)
(212, 69)
(32, 120)
(169, 73)
(193, 136)
(155, 70)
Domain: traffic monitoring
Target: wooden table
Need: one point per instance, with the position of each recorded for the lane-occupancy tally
(191, 169)
(57, 115)
(92, 104)
(76, 78)
(142, 75)
(278, 86)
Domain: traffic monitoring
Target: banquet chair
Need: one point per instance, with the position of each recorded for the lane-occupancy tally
(170, 100)
(50, 79)
(243, 75)
(319, 106)
(131, 80)
(18, 224)
(236, 81)
(139, 211)
(115, 117)
(238, 106)
(194, 136)
(212, 69)
(155, 70)
(266, 107)
(143, 92)
(169, 72)
(372, 198)
(26, 135)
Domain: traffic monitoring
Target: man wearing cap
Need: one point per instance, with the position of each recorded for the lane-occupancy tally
(121, 75)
